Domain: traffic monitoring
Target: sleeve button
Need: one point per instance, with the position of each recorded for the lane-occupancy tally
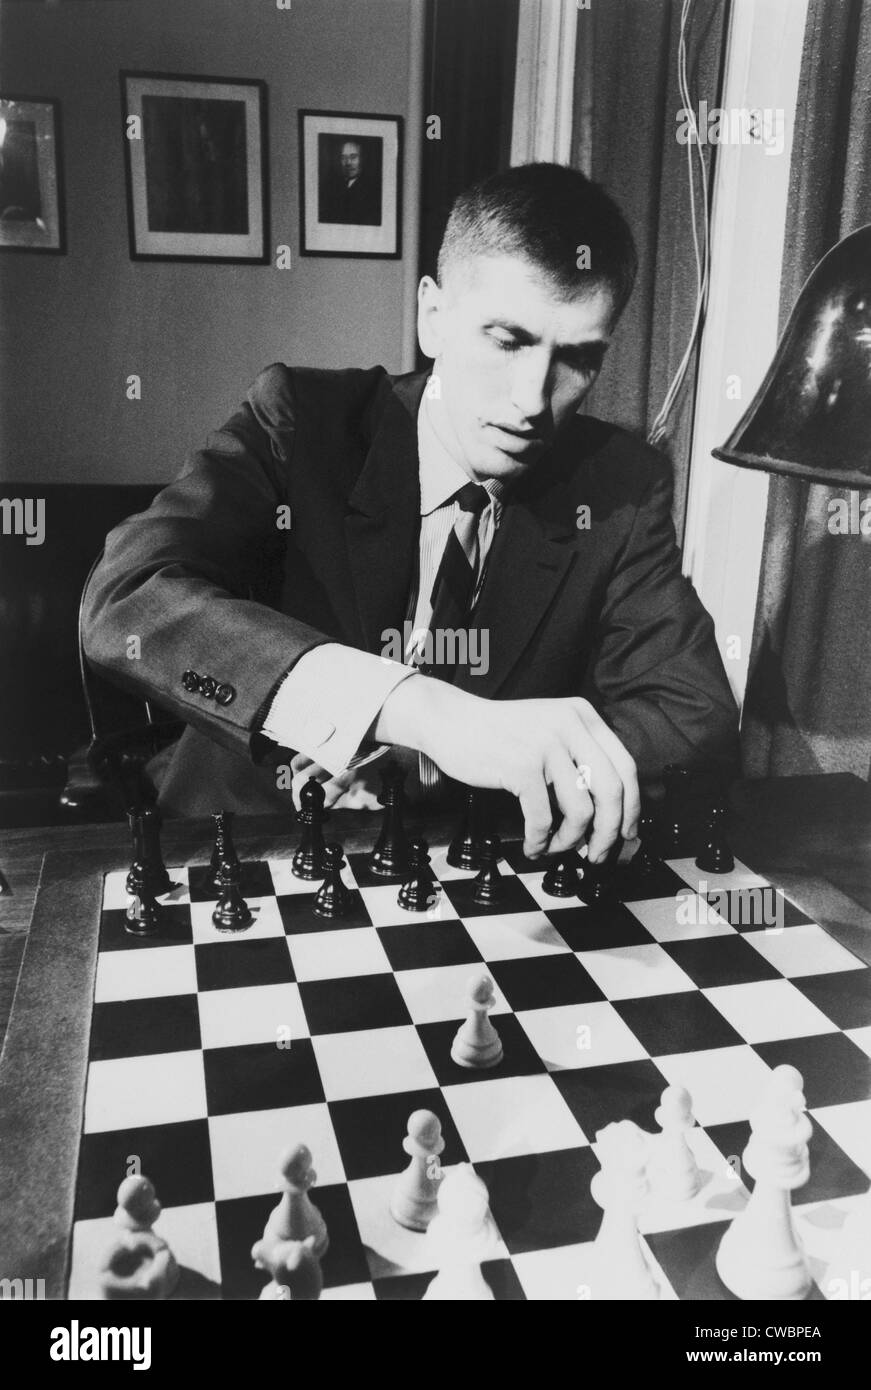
(225, 694)
(208, 686)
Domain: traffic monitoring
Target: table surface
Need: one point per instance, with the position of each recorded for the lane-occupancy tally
(809, 835)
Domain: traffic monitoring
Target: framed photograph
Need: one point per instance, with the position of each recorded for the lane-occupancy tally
(196, 161)
(350, 184)
(31, 182)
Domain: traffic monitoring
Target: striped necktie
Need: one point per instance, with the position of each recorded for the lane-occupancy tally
(454, 587)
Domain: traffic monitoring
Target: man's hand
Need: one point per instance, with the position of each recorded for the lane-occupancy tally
(531, 748)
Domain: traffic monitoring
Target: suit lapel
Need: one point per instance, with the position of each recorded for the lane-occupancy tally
(383, 521)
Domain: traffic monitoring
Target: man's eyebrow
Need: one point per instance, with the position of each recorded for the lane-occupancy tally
(599, 344)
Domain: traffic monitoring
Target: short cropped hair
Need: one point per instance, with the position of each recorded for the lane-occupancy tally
(545, 213)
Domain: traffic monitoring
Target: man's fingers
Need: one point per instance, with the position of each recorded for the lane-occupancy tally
(599, 779)
(623, 764)
(537, 819)
(574, 803)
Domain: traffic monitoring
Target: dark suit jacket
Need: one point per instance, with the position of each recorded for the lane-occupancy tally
(209, 582)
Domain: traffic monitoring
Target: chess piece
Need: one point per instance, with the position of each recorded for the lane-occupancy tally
(223, 849)
(459, 1238)
(333, 898)
(308, 862)
(294, 1268)
(477, 1044)
(561, 879)
(759, 1256)
(672, 1170)
(389, 858)
(138, 1207)
(488, 880)
(715, 856)
(597, 884)
(147, 871)
(848, 1275)
(144, 915)
(619, 1269)
(644, 861)
(418, 893)
(463, 851)
(414, 1199)
(137, 1265)
(232, 912)
(296, 1217)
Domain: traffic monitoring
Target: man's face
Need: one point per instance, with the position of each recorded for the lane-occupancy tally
(350, 160)
(514, 361)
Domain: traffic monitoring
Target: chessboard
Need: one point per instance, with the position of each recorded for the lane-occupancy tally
(197, 1056)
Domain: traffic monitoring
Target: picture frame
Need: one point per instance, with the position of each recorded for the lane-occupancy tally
(31, 175)
(196, 164)
(350, 185)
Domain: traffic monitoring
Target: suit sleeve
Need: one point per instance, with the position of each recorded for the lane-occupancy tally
(657, 676)
(181, 577)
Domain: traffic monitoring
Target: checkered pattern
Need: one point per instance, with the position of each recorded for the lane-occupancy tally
(707, 985)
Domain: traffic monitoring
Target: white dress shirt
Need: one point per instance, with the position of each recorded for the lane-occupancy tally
(333, 694)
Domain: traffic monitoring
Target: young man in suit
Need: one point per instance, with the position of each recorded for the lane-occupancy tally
(336, 509)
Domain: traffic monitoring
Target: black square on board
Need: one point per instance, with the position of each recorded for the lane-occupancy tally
(834, 1070)
(600, 927)
(261, 1076)
(600, 1096)
(514, 896)
(137, 1027)
(720, 960)
(175, 929)
(427, 945)
(348, 1004)
(241, 1221)
(541, 1201)
(297, 912)
(242, 963)
(832, 1173)
(844, 996)
(544, 982)
(176, 1157)
(370, 1131)
(519, 1057)
(667, 1023)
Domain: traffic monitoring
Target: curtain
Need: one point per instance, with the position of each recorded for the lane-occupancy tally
(469, 85)
(626, 103)
(808, 703)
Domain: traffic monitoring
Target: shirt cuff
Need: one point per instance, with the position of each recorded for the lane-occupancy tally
(328, 701)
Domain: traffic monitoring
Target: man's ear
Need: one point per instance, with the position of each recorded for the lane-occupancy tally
(430, 310)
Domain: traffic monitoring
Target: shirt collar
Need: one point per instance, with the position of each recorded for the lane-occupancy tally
(440, 474)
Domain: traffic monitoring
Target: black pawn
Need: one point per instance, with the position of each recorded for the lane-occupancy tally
(333, 899)
(488, 880)
(144, 915)
(232, 912)
(597, 885)
(464, 851)
(644, 861)
(223, 850)
(310, 858)
(389, 858)
(715, 856)
(562, 879)
(147, 872)
(418, 890)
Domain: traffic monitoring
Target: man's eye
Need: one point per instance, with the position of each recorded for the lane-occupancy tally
(505, 344)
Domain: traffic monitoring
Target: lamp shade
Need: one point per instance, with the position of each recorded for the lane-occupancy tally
(811, 417)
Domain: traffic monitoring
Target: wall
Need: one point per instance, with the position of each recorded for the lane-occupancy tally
(73, 327)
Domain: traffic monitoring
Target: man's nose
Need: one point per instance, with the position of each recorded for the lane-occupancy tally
(531, 387)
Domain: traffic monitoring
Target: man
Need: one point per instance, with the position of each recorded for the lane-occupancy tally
(477, 500)
(352, 195)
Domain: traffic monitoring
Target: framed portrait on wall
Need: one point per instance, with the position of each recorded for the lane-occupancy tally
(195, 151)
(31, 191)
(350, 184)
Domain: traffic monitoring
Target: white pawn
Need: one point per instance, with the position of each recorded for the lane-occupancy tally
(459, 1238)
(619, 1269)
(848, 1276)
(296, 1217)
(672, 1169)
(295, 1270)
(477, 1044)
(414, 1199)
(137, 1265)
(759, 1256)
(138, 1207)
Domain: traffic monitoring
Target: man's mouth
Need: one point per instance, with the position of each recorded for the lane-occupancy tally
(515, 441)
